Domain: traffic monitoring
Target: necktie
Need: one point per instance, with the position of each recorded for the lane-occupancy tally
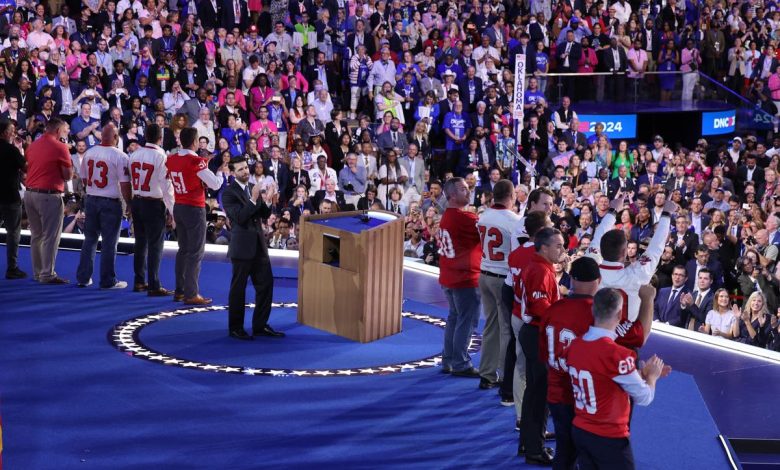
(246, 191)
(673, 296)
(395, 138)
(236, 11)
(698, 299)
(651, 180)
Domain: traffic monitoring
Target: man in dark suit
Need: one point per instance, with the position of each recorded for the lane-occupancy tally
(575, 139)
(248, 253)
(320, 71)
(614, 60)
(279, 171)
(667, 308)
(683, 240)
(703, 261)
(622, 182)
(569, 53)
(210, 13)
(193, 106)
(393, 139)
(534, 136)
(697, 304)
(749, 172)
(470, 87)
(235, 14)
(651, 177)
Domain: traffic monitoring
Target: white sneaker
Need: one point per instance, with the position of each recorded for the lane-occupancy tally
(118, 285)
(89, 283)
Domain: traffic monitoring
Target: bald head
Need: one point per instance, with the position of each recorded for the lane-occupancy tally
(109, 135)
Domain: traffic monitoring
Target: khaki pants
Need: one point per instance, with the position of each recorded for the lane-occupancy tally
(44, 212)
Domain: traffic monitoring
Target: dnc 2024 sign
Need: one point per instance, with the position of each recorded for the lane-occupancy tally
(719, 122)
(616, 126)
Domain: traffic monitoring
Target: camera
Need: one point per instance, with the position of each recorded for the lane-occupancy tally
(349, 187)
(751, 240)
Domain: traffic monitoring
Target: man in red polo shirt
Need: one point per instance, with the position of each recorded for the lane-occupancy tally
(460, 257)
(567, 319)
(190, 174)
(540, 290)
(48, 168)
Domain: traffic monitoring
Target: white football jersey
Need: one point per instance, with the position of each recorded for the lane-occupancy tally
(495, 230)
(102, 169)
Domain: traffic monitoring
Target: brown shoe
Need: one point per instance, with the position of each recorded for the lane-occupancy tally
(161, 292)
(55, 280)
(178, 297)
(140, 287)
(197, 300)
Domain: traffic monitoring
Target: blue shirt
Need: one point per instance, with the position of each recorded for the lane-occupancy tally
(79, 124)
(458, 124)
(541, 61)
(237, 139)
(533, 96)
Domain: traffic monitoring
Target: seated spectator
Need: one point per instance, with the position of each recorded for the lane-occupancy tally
(722, 319)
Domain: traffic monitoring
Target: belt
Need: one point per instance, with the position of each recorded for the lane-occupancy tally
(44, 191)
(491, 274)
(147, 198)
(104, 197)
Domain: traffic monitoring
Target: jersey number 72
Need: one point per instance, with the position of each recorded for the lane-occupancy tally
(491, 239)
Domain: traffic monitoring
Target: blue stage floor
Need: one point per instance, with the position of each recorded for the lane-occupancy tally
(70, 399)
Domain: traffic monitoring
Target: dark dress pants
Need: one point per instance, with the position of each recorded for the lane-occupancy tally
(259, 270)
(148, 228)
(535, 398)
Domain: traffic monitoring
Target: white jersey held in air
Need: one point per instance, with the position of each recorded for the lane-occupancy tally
(150, 175)
(629, 279)
(103, 168)
(496, 226)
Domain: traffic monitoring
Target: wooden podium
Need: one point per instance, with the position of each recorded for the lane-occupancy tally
(350, 273)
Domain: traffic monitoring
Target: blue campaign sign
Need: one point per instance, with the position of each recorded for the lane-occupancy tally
(719, 122)
(755, 118)
(616, 126)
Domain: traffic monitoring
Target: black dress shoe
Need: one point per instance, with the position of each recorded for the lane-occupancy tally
(268, 331)
(240, 334)
(446, 370)
(470, 373)
(545, 458)
(486, 384)
(549, 436)
(15, 273)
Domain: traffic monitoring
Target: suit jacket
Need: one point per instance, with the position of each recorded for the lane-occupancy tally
(608, 60)
(614, 185)
(686, 252)
(245, 235)
(57, 96)
(282, 179)
(288, 101)
(192, 109)
(419, 173)
(692, 316)
(312, 74)
(527, 142)
(573, 141)
(463, 88)
(198, 78)
(432, 84)
(666, 309)
(319, 196)
(368, 41)
(229, 17)
(715, 269)
(742, 172)
(385, 141)
(644, 179)
(574, 56)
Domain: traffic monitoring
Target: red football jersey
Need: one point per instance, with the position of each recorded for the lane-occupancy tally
(630, 334)
(601, 406)
(539, 288)
(188, 188)
(566, 320)
(518, 260)
(460, 249)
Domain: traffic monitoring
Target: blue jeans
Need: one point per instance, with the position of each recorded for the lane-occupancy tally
(463, 318)
(104, 218)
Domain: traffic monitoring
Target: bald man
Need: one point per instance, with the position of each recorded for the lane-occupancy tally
(106, 175)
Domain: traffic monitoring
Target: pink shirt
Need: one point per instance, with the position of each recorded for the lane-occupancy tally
(639, 59)
(687, 57)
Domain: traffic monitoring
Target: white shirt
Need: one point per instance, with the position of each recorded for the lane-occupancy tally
(150, 175)
(103, 168)
(496, 227)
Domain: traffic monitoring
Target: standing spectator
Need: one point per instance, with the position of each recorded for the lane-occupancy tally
(48, 168)
(107, 179)
(189, 174)
(12, 165)
(459, 277)
(152, 207)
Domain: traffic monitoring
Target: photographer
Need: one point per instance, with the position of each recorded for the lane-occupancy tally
(217, 231)
(84, 126)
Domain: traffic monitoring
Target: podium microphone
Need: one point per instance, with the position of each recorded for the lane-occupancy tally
(364, 217)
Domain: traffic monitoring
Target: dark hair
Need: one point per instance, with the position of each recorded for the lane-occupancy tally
(503, 189)
(535, 221)
(4, 125)
(545, 236)
(680, 266)
(153, 133)
(235, 161)
(705, 271)
(536, 194)
(188, 136)
(702, 248)
(612, 244)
